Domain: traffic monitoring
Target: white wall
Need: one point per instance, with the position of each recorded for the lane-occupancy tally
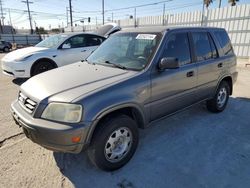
(236, 20)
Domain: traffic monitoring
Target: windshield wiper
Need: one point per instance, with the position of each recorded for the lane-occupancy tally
(115, 65)
(86, 60)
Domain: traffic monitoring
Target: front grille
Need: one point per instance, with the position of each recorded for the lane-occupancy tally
(28, 104)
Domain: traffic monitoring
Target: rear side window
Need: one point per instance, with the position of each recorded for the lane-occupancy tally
(178, 47)
(202, 46)
(224, 41)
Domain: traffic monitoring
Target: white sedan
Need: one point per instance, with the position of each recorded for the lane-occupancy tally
(53, 52)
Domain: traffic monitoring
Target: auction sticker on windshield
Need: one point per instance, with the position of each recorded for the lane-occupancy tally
(146, 36)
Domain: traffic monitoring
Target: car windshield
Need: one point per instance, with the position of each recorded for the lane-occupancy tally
(127, 50)
(52, 42)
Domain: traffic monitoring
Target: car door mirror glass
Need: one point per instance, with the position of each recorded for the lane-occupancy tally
(66, 46)
(168, 63)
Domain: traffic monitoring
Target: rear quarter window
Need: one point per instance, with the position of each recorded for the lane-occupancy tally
(224, 42)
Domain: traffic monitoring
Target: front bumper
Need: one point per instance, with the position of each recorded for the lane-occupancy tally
(15, 69)
(51, 135)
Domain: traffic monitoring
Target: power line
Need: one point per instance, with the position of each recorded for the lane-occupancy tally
(138, 6)
(36, 12)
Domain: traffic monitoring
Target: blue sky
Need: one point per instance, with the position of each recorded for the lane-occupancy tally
(56, 10)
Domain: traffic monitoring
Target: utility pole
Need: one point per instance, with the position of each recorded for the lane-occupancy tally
(10, 18)
(67, 15)
(28, 7)
(70, 12)
(12, 32)
(2, 17)
(202, 16)
(112, 17)
(1, 27)
(135, 17)
(103, 12)
(219, 3)
(163, 15)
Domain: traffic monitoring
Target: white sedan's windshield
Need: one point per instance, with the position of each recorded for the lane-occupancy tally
(52, 42)
(127, 50)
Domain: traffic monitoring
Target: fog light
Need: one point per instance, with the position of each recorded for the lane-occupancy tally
(76, 139)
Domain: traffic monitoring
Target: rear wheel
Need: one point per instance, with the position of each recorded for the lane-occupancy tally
(219, 102)
(114, 143)
(41, 67)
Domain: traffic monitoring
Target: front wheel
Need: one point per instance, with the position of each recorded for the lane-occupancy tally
(42, 66)
(114, 143)
(219, 102)
(6, 49)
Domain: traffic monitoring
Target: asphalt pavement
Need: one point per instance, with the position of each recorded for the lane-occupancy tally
(194, 148)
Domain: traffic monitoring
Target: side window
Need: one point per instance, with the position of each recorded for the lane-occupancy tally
(92, 40)
(224, 41)
(202, 46)
(213, 47)
(178, 47)
(76, 41)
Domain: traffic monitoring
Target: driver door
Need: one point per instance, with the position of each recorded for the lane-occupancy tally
(73, 49)
(174, 89)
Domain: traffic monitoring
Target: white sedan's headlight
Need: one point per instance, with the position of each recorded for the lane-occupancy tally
(69, 113)
(23, 58)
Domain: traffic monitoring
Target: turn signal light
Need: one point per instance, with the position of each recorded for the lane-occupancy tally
(76, 139)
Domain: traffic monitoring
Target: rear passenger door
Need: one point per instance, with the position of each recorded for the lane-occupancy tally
(206, 57)
(173, 89)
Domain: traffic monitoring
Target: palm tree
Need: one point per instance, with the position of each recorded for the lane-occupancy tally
(233, 2)
(207, 2)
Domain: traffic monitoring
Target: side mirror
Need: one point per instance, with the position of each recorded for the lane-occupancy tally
(168, 63)
(66, 46)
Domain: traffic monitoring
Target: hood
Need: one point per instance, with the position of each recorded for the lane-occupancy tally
(16, 54)
(69, 82)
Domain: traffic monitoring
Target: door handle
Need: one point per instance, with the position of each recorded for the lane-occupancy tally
(220, 65)
(190, 74)
(83, 50)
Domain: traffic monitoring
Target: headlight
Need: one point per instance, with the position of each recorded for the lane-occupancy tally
(69, 113)
(23, 58)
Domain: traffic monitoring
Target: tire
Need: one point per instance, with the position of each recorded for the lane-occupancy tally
(42, 66)
(108, 156)
(6, 49)
(219, 102)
